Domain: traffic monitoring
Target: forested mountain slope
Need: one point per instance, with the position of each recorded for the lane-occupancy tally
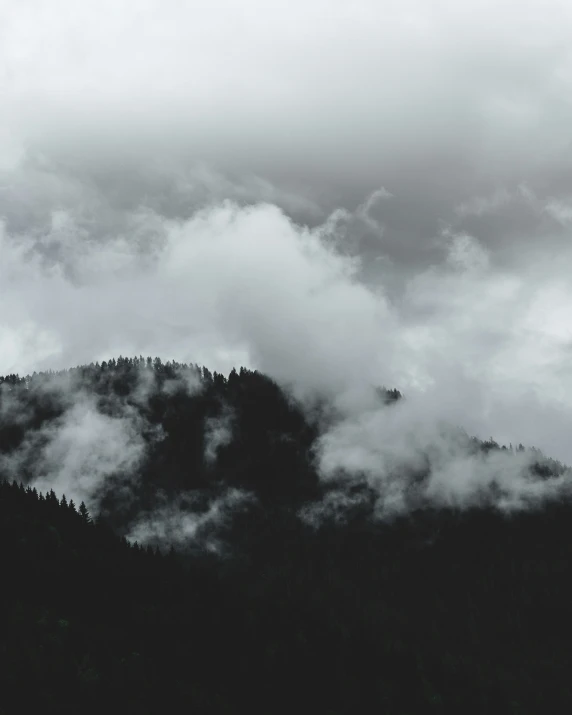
(269, 601)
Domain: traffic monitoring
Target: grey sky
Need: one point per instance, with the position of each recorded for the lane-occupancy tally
(169, 173)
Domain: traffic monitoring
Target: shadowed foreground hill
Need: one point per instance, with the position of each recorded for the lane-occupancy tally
(439, 610)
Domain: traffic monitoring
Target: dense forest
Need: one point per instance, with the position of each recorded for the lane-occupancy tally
(163, 545)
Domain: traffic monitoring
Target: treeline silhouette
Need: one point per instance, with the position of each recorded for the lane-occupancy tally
(439, 610)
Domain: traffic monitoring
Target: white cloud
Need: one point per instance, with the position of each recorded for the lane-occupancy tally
(218, 433)
(79, 452)
(202, 181)
(182, 521)
(561, 211)
(247, 284)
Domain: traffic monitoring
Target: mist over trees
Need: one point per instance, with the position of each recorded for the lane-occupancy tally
(173, 536)
(373, 514)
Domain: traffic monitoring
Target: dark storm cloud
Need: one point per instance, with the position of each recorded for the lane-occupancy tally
(437, 102)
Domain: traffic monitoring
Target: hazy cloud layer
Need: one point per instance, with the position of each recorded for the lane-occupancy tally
(339, 194)
(409, 457)
(489, 345)
(218, 433)
(81, 454)
(183, 521)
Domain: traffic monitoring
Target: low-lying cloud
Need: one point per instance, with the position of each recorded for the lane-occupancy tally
(218, 434)
(189, 520)
(488, 346)
(342, 197)
(82, 453)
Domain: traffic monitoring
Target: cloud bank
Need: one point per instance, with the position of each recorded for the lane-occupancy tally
(339, 196)
(487, 346)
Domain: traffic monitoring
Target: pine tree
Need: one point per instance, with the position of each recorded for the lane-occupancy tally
(84, 513)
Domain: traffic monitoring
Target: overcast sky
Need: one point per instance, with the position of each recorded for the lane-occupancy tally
(338, 193)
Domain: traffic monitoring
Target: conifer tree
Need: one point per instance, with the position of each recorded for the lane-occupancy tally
(84, 513)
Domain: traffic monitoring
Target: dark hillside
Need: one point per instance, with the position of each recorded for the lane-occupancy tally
(443, 610)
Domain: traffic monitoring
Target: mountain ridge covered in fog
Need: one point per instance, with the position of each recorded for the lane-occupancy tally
(134, 436)
(170, 536)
